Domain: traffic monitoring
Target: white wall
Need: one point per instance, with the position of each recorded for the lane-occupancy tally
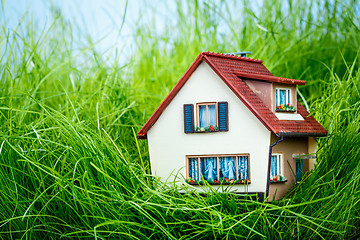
(168, 144)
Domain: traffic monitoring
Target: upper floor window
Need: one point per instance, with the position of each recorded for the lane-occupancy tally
(210, 117)
(206, 115)
(283, 100)
(283, 96)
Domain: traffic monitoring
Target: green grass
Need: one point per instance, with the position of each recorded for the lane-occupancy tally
(71, 167)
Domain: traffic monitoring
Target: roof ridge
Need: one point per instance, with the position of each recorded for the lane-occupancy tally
(225, 55)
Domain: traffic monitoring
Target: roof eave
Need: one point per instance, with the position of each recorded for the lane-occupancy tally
(301, 134)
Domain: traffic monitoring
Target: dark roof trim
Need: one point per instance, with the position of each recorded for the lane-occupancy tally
(141, 136)
(300, 134)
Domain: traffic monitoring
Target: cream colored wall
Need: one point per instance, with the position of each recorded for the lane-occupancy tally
(312, 145)
(168, 144)
(288, 147)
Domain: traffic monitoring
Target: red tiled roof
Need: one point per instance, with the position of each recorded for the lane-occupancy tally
(230, 68)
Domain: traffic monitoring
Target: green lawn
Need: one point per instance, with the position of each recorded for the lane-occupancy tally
(70, 164)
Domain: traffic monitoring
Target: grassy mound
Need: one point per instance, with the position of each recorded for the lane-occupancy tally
(71, 167)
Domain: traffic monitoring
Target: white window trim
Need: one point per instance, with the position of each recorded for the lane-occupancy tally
(288, 95)
(279, 164)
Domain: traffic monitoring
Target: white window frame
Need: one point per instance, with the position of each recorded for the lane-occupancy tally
(279, 163)
(207, 104)
(287, 98)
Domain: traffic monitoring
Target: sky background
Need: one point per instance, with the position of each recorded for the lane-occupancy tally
(109, 22)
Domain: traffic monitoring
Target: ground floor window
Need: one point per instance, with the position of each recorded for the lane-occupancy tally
(299, 169)
(276, 168)
(217, 169)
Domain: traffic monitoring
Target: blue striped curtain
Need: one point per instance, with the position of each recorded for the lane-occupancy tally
(274, 167)
(243, 167)
(228, 167)
(193, 168)
(212, 115)
(209, 168)
(282, 97)
(202, 116)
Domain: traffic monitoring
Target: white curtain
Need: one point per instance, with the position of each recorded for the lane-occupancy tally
(212, 115)
(243, 167)
(209, 168)
(274, 166)
(282, 97)
(202, 116)
(228, 167)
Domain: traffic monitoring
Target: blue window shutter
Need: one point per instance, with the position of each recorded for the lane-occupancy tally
(188, 118)
(223, 120)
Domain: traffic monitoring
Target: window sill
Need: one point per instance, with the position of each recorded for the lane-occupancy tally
(242, 182)
(218, 184)
(282, 110)
(206, 131)
(282, 181)
(278, 179)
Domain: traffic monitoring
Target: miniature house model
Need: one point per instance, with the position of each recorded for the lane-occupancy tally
(229, 121)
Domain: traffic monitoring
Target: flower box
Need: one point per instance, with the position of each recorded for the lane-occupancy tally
(285, 108)
(278, 179)
(221, 181)
(211, 128)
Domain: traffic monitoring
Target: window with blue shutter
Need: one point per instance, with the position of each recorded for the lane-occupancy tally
(188, 118)
(210, 117)
(223, 120)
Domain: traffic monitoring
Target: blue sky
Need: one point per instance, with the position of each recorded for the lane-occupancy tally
(102, 20)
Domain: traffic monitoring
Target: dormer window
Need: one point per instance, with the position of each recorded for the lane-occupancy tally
(283, 96)
(283, 100)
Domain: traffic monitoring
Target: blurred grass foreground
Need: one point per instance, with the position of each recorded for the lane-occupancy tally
(71, 167)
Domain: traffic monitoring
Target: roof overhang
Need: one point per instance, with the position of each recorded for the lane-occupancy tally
(269, 78)
(300, 134)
